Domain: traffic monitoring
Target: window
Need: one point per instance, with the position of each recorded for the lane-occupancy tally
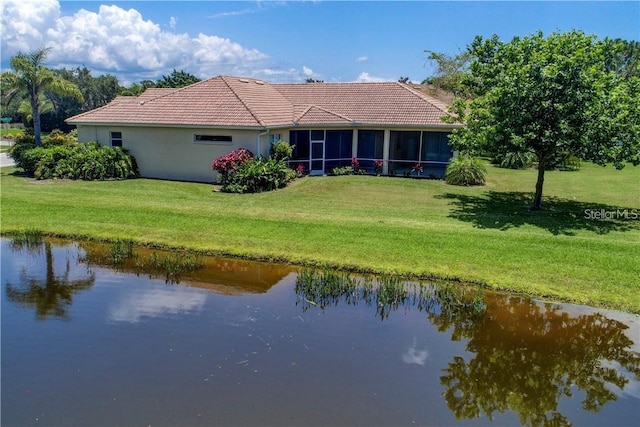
(431, 149)
(317, 135)
(370, 144)
(205, 139)
(338, 148)
(435, 147)
(273, 138)
(116, 139)
(404, 145)
(339, 144)
(299, 139)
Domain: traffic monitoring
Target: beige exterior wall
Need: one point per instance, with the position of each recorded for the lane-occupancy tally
(172, 153)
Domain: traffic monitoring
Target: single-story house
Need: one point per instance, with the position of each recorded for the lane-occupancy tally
(177, 133)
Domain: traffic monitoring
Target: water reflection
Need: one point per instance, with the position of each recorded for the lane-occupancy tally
(529, 356)
(178, 352)
(156, 303)
(222, 275)
(51, 295)
(414, 356)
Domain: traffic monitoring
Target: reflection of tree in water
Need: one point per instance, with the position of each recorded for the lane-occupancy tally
(527, 357)
(52, 295)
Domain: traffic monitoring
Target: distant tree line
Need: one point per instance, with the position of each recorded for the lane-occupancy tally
(54, 105)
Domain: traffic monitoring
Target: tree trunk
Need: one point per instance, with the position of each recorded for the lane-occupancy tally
(537, 200)
(35, 113)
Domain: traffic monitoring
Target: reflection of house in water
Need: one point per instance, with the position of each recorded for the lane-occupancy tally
(225, 276)
(230, 277)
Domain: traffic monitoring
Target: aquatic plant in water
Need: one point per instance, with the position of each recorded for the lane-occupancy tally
(31, 239)
(325, 288)
(172, 266)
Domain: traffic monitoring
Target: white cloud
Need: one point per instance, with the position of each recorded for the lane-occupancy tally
(233, 13)
(365, 77)
(172, 22)
(362, 58)
(23, 24)
(118, 41)
(307, 71)
(413, 356)
(157, 303)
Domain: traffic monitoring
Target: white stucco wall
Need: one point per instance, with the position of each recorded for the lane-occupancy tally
(171, 153)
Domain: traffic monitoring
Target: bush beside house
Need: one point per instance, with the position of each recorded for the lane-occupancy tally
(60, 157)
(241, 172)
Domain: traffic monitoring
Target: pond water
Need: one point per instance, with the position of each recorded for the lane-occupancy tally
(236, 343)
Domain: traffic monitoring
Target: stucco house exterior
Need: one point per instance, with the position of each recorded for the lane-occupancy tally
(177, 133)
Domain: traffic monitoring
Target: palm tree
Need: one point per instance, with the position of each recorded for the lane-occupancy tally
(29, 74)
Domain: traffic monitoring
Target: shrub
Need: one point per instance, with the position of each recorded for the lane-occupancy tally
(300, 170)
(57, 138)
(281, 151)
(517, 160)
(240, 172)
(377, 166)
(571, 163)
(466, 170)
(258, 175)
(343, 170)
(227, 165)
(86, 161)
(23, 143)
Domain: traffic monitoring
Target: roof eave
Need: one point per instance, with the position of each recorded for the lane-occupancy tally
(165, 125)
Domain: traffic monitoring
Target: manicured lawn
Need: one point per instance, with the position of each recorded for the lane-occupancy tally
(10, 133)
(419, 227)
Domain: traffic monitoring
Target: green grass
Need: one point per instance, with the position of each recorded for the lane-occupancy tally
(10, 133)
(422, 228)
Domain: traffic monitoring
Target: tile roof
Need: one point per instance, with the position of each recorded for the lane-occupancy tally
(226, 101)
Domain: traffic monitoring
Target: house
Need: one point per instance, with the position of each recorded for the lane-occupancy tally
(177, 133)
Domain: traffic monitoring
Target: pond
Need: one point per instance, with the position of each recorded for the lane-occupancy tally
(92, 338)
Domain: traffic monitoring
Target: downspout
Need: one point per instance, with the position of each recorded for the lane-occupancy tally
(260, 135)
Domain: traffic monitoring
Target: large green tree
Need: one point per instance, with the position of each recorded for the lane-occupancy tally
(96, 92)
(31, 76)
(550, 96)
(450, 72)
(177, 79)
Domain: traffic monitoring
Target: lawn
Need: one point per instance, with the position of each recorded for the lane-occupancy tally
(10, 133)
(393, 225)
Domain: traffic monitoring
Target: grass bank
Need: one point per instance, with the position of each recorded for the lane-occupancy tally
(418, 227)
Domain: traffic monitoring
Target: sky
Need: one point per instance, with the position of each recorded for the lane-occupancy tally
(285, 41)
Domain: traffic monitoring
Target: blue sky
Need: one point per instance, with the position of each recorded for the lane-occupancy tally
(285, 41)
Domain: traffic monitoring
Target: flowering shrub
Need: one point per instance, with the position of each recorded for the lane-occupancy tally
(417, 168)
(227, 165)
(240, 172)
(355, 164)
(300, 170)
(377, 166)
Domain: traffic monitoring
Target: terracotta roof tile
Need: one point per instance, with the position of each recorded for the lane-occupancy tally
(227, 101)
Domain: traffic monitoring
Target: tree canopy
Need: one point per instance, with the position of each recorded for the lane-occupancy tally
(31, 76)
(451, 71)
(177, 79)
(552, 95)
